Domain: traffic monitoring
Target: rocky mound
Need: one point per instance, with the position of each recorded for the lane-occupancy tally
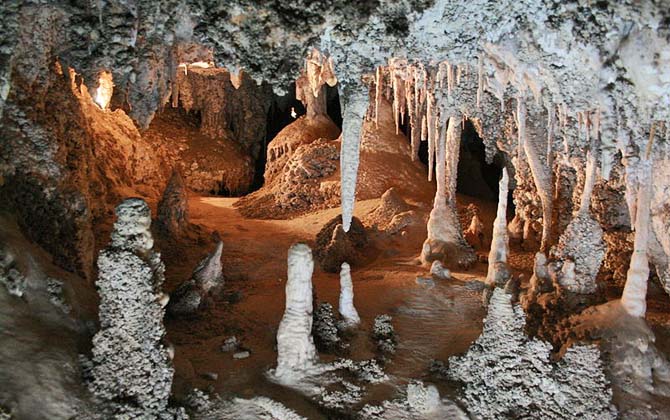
(334, 246)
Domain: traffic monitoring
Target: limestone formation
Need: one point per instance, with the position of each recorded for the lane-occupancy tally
(131, 368)
(173, 207)
(296, 354)
(474, 234)
(582, 243)
(438, 271)
(334, 246)
(392, 214)
(346, 306)
(507, 372)
(634, 298)
(498, 272)
(445, 241)
(206, 279)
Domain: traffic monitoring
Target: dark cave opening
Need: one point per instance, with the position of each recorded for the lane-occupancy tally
(476, 177)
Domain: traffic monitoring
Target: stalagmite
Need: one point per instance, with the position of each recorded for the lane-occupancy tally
(346, 307)
(207, 277)
(498, 272)
(355, 105)
(581, 245)
(634, 297)
(131, 366)
(173, 207)
(296, 353)
(445, 241)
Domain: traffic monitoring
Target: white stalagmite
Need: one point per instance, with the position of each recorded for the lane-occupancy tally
(355, 105)
(445, 241)
(346, 307)
(498, 272)
(634, 298)
(296, 354)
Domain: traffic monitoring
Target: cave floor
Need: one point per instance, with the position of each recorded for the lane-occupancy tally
(431, 323)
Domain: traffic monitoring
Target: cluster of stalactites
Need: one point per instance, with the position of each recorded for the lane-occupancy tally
(421, 97)
(310, 86)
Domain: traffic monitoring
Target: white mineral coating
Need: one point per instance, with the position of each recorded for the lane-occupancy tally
(296, 353)
(634, 297)
(582, 241)
(131, 228)
(497, 274)
(355, 106)
(346, 306)
(506, 372)
(439, 271)
(131, 366)
(423, 398)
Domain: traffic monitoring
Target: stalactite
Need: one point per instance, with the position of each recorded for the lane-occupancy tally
(480, 81)
(498, 272)
(430, 133)
(541, 173)
(634, 297)
(355, 106)
(379, 86)
(453, 148)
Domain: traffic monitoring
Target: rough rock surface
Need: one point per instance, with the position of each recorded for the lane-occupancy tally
(639, 371)
(131, 367)
(229, 111)
(172, 217)
(209, 165)
(582, 243)
(335, 247)
(505, 373)
(324, 328)
(421, 402)
(206, 279)
(392, 214)
(384, 334)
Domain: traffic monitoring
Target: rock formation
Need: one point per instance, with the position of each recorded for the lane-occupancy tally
(506, 372)
(173, 207)
(445, 241)
(206, 279)
(131, 367)
(634, 298)
(582, 242)
(438, 271)
(498, 272)
(296, 354)
(346, 306)
(474, 234)
(334, 246)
